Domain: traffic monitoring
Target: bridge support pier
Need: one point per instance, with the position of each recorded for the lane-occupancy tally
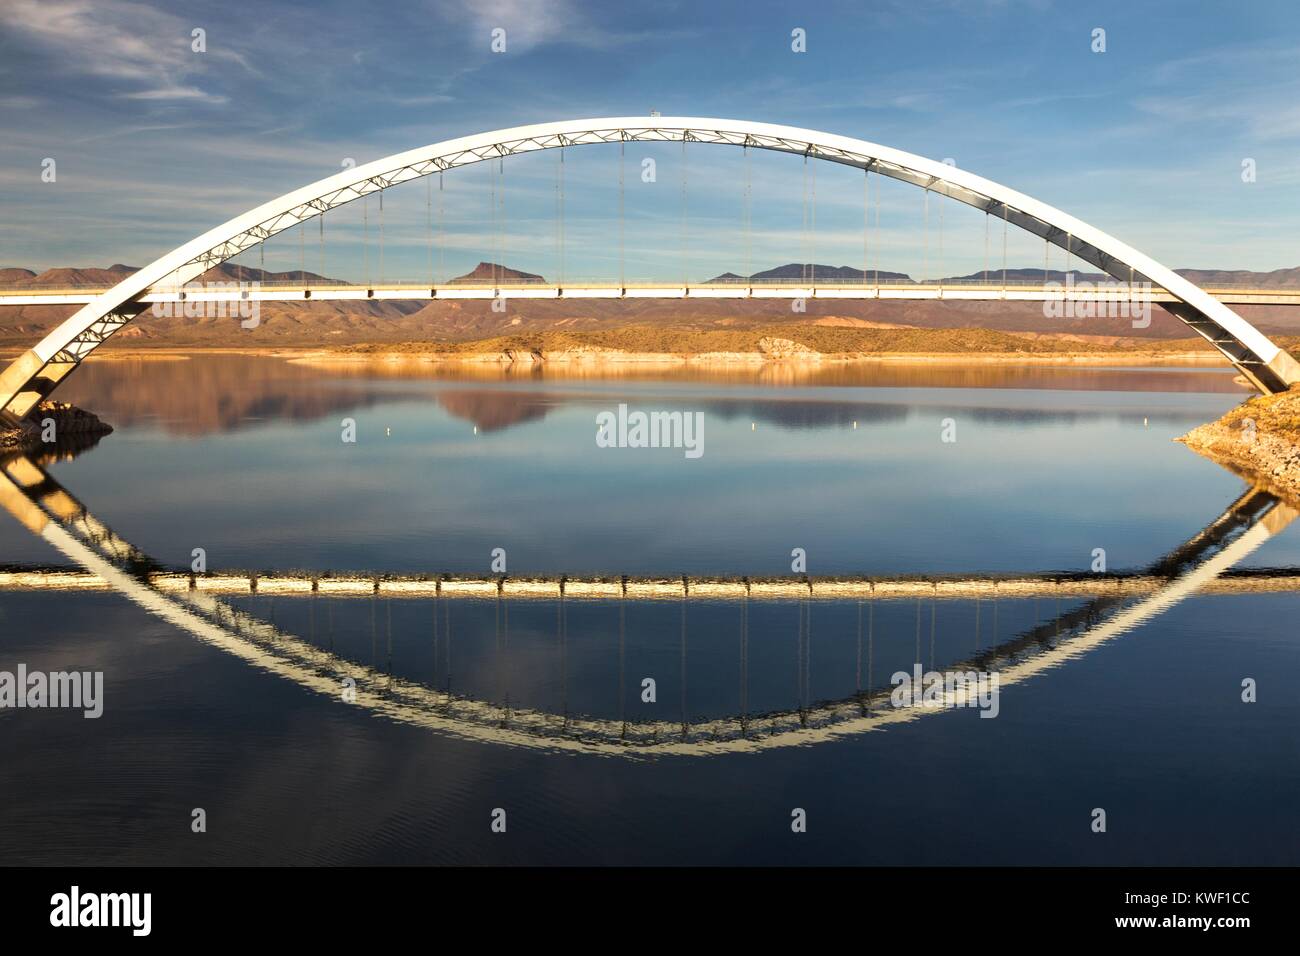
(22, 387)
(1284, 366)
(1275, 375)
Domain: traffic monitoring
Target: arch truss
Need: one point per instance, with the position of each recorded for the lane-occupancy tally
(36, 373)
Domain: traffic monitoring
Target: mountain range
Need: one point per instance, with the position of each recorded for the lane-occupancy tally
(316, 323)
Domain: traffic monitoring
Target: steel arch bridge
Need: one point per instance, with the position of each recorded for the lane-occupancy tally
(36, 373)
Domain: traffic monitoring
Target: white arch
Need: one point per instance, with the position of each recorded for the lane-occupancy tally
(35, 374)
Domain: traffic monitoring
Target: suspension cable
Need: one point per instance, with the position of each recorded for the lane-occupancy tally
(320, 222)
(879, 183)
(749, 215)
(940, 276)
(622, 250)
(1004, 249)
(866, 227)
(428, 224)
(492, 219)
(812, 231)
(685, 239)
(555, 238)
(381, 235)
(984, 276)
(857, 681)
(442, 231)
(365, 234)
(803, 227)
(925, 255)
(503, 248)
(563, 253)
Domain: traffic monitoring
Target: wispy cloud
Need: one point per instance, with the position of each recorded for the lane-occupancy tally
(155, 142)
(1266, 115)
(534, 23)
(131, 43)
(176, 93)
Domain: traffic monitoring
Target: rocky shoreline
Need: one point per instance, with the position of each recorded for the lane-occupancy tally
(1259, 440)
(70, 423)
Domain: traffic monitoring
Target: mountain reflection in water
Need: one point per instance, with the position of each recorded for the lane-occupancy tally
(200, 394)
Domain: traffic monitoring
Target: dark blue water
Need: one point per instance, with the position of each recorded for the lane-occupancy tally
(1047, 466)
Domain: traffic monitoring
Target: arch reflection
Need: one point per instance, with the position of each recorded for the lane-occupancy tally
(52, 513)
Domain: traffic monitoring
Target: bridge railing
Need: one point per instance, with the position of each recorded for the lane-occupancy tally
(1017, 283)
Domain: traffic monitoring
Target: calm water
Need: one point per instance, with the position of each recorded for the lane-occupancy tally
(243, 458)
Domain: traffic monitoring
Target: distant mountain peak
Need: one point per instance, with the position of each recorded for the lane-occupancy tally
(494, 270)
(803, 271)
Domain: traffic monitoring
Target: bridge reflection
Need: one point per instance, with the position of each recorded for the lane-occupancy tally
(52, 513)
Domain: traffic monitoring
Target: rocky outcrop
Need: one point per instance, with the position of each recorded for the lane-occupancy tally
(779, 349)
(64, 422)
(509, 356)
(1258, 440)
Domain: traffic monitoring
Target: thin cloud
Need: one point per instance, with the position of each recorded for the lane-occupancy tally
(534, 23)
(176, 93)
(118, 40)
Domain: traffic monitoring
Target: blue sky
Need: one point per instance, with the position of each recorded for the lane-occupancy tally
(155, 143)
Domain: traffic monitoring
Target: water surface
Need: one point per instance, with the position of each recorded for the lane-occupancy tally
(243, 457)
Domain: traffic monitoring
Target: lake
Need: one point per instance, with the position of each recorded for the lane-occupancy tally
(760, 708)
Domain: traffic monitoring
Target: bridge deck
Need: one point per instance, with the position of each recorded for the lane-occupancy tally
(604, 289)
(1007, 587)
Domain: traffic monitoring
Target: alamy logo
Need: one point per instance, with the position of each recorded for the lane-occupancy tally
(215, 300)
(75, 908)
(36, 689)
(637, 429)
(946, 689)
(1098, 300)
